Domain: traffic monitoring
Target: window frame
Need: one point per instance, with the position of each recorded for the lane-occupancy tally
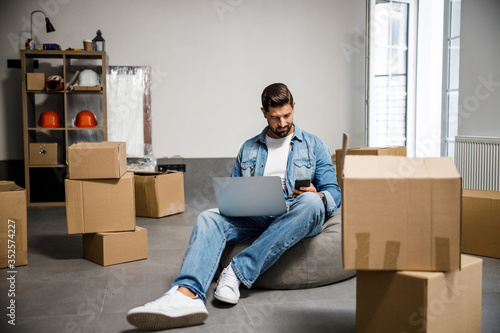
(411, 72)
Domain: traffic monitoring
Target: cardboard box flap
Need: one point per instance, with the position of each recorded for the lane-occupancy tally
(381, 151)
(154, 173)
(495, 195)
(6, 186)
(149, 174)
(345, 139)
(376, 167)
(115, 233)
(146, 194)
(441, 167)
(97, 145)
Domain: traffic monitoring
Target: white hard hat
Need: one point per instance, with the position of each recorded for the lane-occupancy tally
(55, 78)
(88, 77)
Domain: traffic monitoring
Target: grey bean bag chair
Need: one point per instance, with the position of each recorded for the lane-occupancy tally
(310, 263)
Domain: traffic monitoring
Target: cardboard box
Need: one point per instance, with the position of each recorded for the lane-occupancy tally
(159, 194)
(35, 81)
(116, 247)
(381, 151)
(97, 160)
(429, 302)
(100, 205)
(43, 153)
(401, 213)
(13, 219)
(481, 222)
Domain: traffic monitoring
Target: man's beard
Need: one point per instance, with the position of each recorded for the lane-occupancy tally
(284, 133)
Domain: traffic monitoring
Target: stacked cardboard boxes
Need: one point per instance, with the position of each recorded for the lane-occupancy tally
(100, 203)
(401, 231)
(13, 229)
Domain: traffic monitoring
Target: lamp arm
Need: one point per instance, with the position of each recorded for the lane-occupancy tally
(31, 21)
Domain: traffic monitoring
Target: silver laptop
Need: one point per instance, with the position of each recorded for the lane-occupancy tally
(249, 196)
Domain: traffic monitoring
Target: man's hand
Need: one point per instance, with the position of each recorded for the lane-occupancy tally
(310, 188)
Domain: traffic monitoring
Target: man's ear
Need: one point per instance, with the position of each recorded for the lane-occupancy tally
(263, 112)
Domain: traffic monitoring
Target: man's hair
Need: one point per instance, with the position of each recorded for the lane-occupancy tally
(276, 95)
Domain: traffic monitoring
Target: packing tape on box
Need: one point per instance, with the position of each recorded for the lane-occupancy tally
(362, 249)
(362, 254)
(443, 260)
(391, 255)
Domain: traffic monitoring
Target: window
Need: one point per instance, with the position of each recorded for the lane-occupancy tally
(453, 70)
(392, 54)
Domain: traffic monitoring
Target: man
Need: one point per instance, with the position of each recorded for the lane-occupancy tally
(281, 149)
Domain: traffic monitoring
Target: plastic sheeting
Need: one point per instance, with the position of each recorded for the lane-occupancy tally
(129, 111)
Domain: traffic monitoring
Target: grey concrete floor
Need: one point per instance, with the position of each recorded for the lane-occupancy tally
(58, 291)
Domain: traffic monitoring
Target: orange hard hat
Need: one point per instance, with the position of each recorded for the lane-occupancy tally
(49, 119)
(85, 119)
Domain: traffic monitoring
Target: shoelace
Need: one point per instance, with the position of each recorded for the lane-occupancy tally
(229, 280)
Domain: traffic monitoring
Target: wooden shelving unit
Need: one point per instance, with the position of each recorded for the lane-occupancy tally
(45, 183)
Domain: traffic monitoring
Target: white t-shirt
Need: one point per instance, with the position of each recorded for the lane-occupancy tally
(277, 157)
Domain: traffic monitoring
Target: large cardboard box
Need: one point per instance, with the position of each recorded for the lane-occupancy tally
(35, 81)
(159, 194)
(111, 248)
(97, 160)
(43, 153)
(431, 302)
(481, 222)
(13, 219)
(401, 213)
(100, 205)
(380, 151)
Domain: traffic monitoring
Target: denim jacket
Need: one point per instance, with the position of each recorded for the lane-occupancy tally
(309, 158)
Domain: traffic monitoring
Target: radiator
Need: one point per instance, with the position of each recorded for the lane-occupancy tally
(478, 162)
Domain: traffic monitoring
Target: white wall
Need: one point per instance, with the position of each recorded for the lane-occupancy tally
(479, 89)
(210, 62)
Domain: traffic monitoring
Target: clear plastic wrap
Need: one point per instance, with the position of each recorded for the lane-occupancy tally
(129, 114)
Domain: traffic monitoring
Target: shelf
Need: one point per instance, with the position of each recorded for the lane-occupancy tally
(84, 92)
(45, 129)
(64, 91)
(85, 129)
(44, 92)
(48, 166)
(45, 182)
(61, 53)
(65, 129)
(47, 204)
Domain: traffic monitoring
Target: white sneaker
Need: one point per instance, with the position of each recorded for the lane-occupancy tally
(173, 309)
(228, 286)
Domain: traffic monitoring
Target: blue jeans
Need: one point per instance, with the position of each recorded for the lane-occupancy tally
(212, 232)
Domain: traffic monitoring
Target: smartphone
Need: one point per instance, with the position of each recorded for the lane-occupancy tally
(302, 183)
